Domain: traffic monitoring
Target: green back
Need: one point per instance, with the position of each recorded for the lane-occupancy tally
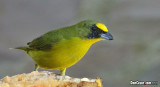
(48, 40)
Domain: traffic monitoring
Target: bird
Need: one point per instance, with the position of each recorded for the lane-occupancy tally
(61, 48)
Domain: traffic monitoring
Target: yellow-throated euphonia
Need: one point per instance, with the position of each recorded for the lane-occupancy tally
(62, 48)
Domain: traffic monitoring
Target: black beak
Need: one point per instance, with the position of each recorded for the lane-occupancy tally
(107, 36)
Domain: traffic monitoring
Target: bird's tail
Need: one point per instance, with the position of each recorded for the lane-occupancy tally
(25, 48)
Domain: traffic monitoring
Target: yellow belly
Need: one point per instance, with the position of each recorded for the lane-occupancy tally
(64, 54)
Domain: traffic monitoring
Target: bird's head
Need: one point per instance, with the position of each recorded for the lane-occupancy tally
(93, 30)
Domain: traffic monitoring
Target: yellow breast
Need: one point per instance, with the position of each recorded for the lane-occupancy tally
(64, 54)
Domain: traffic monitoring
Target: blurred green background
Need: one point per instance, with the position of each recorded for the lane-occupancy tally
(134, 54)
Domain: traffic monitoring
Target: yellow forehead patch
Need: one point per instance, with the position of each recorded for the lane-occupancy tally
(102, 27)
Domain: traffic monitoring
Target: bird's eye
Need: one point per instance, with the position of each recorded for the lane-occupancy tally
(94, 27)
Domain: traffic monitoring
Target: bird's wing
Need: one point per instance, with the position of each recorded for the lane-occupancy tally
(48, 40)
(45, 42)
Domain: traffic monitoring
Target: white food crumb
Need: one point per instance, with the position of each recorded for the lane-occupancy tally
(93, 80)
(77, 80)
(85, 79)
(67, 78)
